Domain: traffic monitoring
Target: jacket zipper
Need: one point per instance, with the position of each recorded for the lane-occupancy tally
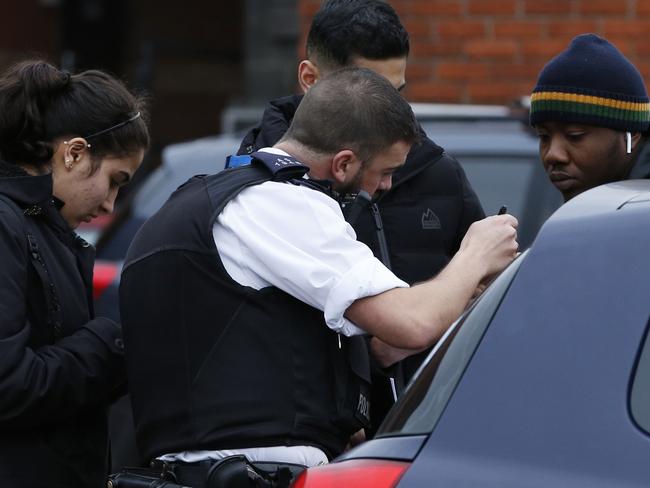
(385, 258)
(381, 237)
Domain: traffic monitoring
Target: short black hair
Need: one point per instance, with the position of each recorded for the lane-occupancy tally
(353, 108)
(344, 29)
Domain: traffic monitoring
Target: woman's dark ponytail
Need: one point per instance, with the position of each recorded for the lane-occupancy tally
(26, 91)
(39, 103)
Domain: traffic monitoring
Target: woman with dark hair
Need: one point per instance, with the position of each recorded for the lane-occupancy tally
(67, 143)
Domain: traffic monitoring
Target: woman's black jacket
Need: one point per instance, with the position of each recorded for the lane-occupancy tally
(59, 366)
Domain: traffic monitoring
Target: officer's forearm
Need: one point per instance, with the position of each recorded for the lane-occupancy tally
(387, 355)
(415, 318)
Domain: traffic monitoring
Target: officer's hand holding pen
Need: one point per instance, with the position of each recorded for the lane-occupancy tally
(487, 280)
(504, 210)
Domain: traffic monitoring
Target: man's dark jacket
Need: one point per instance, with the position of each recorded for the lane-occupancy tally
(425, 214)
(58, 366)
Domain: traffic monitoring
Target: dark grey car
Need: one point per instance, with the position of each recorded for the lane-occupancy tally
(545, 381)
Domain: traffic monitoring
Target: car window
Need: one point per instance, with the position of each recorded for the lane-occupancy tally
(640, 393)
(500, 181)
(420, 407)
(520, 184)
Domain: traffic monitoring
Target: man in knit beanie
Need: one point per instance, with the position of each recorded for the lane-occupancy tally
(591, 111)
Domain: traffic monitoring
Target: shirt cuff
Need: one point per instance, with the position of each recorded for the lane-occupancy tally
(367, 278)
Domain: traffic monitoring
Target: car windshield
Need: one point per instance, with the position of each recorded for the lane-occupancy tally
(420, 407)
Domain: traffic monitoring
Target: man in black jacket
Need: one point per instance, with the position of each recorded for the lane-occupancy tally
(417, 225)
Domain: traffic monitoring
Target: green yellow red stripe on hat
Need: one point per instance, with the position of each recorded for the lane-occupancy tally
(591, 82)
(578, 103)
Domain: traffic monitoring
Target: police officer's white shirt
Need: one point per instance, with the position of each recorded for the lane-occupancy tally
(296, 239)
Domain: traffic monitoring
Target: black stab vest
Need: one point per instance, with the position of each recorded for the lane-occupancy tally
(215, 365)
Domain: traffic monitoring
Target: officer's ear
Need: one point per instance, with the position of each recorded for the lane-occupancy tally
(345, 166)
(308, 74)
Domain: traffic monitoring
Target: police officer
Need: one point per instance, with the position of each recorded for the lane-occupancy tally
(245, 296)
(417, 225)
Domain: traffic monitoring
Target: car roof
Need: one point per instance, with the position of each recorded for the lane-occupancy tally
(593, 211)
(604, 199)
(481, 137)
(552, 372)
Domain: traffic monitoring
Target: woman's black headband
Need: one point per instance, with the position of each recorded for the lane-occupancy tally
(116, 126)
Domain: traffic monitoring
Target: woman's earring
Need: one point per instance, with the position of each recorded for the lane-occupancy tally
(68, 163)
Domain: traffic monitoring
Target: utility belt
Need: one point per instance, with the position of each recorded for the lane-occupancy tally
(230, 472)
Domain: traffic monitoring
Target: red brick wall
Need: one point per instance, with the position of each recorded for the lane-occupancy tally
(490, 51)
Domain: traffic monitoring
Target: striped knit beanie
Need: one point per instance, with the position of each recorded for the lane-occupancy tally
(592, 83)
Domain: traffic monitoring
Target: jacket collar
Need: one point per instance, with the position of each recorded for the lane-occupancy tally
(34, 195)
(423, 153)
(28, 190)
(278, 116)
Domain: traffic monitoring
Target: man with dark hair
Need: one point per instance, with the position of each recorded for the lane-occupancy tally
(245, 298)
(591, 112)
(417, 225)
(351, 121)
(344, 32)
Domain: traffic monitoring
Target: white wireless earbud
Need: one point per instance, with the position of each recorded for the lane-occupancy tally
(628, 143)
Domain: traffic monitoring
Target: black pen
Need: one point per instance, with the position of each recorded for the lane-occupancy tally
(502, 210)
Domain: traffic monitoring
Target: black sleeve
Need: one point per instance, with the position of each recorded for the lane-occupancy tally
(263, 136)
(274, 124)
(472, 210)
(55, 381)
(249, 142)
